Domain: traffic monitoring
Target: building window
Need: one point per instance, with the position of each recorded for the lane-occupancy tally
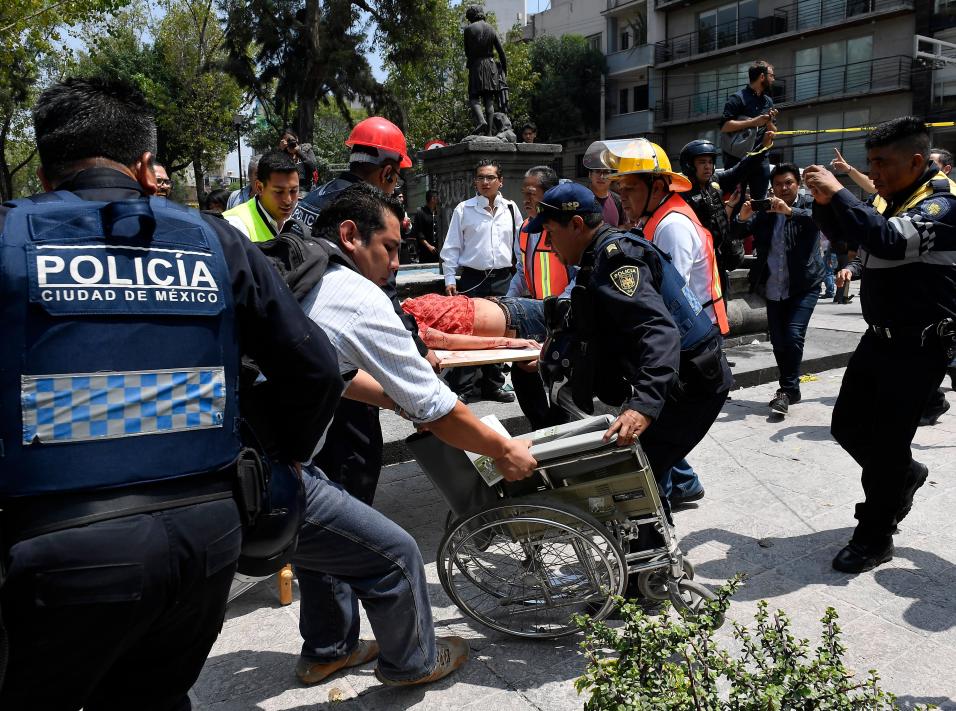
(622, 101)
(716, 85)
(594, 41)
(641, 97)
(625, 40)
(726, 25)
(810, 150)
(833, 68)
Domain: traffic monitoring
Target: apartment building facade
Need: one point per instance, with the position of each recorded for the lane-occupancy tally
(672, 64)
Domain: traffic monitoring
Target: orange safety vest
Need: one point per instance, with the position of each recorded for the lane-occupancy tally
(544, 274)
(675, 203)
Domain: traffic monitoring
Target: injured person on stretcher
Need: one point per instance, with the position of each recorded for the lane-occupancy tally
(463, 323)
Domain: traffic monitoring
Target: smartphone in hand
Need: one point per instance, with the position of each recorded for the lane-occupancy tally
(760, 205)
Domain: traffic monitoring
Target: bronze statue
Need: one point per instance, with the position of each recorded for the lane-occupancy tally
(487, 78)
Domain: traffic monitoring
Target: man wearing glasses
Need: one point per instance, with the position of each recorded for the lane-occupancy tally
(480, 244)
(164, 186)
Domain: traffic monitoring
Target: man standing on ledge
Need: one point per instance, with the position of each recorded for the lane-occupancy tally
(481, 240)
(908, 256)
(748, 114)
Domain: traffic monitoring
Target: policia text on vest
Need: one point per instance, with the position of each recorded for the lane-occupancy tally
(86, 273)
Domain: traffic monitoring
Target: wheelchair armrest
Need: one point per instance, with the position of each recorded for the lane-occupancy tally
(565, 447)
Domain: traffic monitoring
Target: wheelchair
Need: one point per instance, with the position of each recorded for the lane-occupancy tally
(524, 557)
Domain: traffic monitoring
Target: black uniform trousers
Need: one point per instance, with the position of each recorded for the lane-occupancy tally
(486, 378)
(119, 614)
(884, 390)
(533, 399)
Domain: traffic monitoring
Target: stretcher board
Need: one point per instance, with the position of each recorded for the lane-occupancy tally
(461, 359)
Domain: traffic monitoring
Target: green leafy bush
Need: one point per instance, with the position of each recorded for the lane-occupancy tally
(666, 663)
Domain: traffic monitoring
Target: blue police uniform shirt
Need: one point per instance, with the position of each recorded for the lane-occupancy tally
(635, 339)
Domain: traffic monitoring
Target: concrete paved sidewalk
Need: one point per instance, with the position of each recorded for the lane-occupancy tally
(779, 505)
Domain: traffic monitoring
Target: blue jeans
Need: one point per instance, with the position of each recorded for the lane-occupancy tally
(680, 480)
(787, 321)
(829, 276)
(348, 552)
(524, 316)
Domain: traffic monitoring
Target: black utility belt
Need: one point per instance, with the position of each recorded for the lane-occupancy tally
(31, 516)
(942, 332)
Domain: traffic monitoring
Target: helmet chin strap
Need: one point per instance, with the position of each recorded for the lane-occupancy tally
(647, 202)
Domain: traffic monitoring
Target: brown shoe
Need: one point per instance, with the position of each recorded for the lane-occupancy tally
(452, 653)
(314, 672)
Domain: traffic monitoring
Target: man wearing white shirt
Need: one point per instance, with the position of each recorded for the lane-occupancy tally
(480, 244)
(371, 558)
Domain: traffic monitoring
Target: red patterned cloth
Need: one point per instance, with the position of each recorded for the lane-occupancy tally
(448, 314)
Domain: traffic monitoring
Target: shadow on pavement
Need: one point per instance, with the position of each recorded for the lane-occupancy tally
(932, 606)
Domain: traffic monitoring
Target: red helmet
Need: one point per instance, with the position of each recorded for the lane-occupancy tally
(379, 132)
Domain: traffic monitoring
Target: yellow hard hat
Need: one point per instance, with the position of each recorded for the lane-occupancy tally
(632, 156)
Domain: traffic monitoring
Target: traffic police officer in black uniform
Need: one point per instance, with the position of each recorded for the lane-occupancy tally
(624, 318)
(124, 318)
(908, 257)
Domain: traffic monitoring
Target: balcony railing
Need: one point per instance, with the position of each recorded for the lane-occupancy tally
(631, 124)
(626, 59)
(875, 75)
(798, 16)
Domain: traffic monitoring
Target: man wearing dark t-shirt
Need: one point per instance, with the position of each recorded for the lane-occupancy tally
(610, 203)
(748, 114)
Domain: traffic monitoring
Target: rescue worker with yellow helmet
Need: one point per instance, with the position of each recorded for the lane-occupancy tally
(650, 192)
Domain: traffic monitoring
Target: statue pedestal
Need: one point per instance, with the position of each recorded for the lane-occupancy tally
(451, 170)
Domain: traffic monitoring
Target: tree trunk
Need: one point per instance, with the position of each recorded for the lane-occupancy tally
(312, 81)
(200, 178)
(6, 177)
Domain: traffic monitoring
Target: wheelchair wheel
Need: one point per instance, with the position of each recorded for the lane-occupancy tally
(691, 598)
(653, 583)
(526, 568)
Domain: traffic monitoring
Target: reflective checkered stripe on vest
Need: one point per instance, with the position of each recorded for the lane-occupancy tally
(675, 203)
(119, 359)
(544, 274)
(256, 227)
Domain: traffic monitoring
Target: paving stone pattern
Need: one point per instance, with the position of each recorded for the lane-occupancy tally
(779, 505)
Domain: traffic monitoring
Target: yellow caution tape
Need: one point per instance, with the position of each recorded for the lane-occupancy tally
(809, 131)
(851, 129)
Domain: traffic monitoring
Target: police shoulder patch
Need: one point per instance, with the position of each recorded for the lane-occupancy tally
(935, 207)
(626, 279)
(611, 249)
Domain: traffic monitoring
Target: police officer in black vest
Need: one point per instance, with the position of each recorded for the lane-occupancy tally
(908, 263)
(641, 341)
(124, 318)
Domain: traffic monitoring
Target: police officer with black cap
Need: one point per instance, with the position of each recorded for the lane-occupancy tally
(640, 340)
(908, 260)
(124, 317)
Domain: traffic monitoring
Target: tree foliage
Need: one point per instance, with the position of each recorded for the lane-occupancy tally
(290, 55)
(177, 65)
(567, 101)
(31, 57)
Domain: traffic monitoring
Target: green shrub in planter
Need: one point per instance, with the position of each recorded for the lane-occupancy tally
(663, 662)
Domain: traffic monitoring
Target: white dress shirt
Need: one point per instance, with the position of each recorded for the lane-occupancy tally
(478, 239)
(367, 334)
(676, 235)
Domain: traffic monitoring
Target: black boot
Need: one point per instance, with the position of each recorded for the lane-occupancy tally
(859, 557)
(915, 478)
